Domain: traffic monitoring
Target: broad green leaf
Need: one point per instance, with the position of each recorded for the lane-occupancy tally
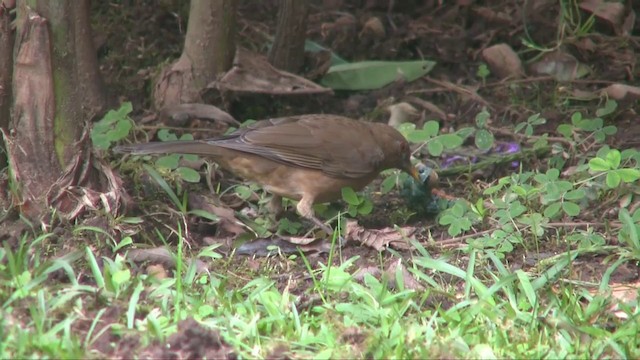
(565, 130)
(388, 184)
(121, 276)
(576, 118)
(516, 209)
(613, 158)
(435, 148)
(243, 191)
(431, 128)
(314, 47)
(418, 136)
(628, 175)
(609, 107)
(574, 194)
(571, 209)
(552, 210)
(125, 109)
(484, 139)
(166, 135)
(465, 132)
(482, 117)
(564, 186)
(188, 174)
(598, 164)
(168, 161)
(100, 141)
(541, 178)
(121, 130)
(447, 219)
(590, 124)
(450, 141)
(613, 179)
(535, 119)
(454, 230)
(370, 75)
(553, 174)
(366, 207)
(350, 196)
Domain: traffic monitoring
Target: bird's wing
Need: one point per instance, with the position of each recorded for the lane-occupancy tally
(338, 146)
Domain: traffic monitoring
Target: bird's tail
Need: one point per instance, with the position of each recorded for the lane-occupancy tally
(170, 147)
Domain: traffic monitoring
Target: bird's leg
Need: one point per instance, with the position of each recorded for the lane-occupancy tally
(305, 209)
(275, 206)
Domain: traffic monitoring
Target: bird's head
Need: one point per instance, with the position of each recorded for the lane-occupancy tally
(397, 153)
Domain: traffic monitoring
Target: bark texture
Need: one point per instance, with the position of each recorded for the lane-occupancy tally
(287, 52)
(209, 49)
(6, 64)
(57, 90)
(79, 89)
(33, 161)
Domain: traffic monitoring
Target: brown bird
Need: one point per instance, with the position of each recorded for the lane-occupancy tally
(309, 158)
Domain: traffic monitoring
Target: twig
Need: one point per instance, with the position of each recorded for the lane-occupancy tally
(530, 137)
(495, 160)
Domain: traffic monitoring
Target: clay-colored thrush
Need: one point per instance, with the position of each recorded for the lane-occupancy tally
(309, 158)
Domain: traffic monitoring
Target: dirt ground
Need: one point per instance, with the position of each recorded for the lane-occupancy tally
(137, 37)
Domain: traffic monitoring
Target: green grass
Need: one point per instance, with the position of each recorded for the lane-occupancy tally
(59, 308)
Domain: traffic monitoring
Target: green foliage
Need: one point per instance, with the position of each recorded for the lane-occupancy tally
(573, 19)
(459, 218)
(357, 205)
(289, 227)
(608, 164)
(113, 127)
(171, 162)
(313, 47)
(428, 135)
(558, 194)
(594, 127)
(371, 75)
(113, 277)
(572, 24)
(528, 126)
(630, 232)
(437, 144)
(483, 137)
(483, 72)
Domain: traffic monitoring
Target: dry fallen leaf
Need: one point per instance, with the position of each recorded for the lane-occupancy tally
(389, 275)
(379, 239)
(228, 223)
(622, 294)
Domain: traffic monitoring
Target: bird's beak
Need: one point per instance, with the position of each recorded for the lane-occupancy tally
(414, 173)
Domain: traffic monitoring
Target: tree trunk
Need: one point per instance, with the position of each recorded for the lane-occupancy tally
(57, 89)
(209, 49)
(287, 52)
(79, 89)
(6, 62)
